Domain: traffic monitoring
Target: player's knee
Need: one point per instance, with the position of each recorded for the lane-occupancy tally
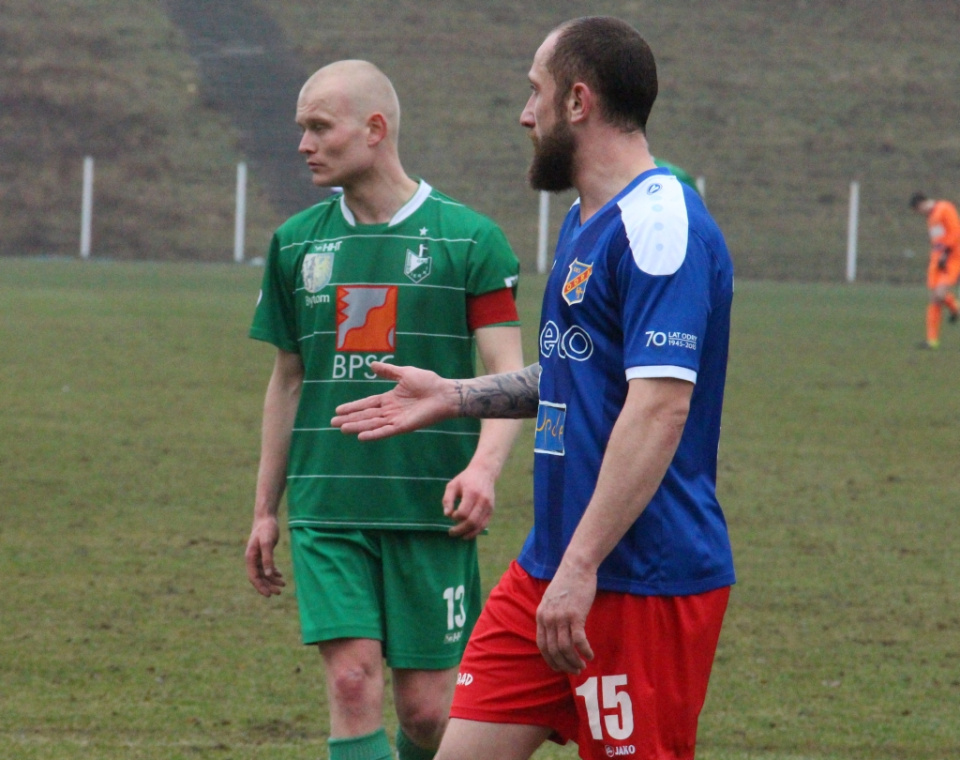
(423, 723)
(352, 687)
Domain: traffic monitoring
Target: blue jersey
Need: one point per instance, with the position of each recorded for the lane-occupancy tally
(643, 289)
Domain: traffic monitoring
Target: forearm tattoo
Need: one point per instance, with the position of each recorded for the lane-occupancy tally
(510, 395)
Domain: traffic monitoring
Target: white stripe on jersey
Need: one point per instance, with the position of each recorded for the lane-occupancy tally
(663, 370)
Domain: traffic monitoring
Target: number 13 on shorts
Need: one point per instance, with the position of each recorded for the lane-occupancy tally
(456, 613)
(616, 707)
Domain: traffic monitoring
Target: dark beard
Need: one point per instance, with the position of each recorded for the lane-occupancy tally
(552, 166)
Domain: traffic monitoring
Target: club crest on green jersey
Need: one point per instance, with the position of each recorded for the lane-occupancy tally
(575, 287)
(317, 270)
(418, 265)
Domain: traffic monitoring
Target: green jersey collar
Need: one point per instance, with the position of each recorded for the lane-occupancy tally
(404, 212)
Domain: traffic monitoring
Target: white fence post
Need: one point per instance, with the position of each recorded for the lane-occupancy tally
(852, 226)
(240, 221)
(86, 208)
(544, 231)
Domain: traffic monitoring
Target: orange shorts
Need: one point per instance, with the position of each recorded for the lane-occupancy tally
(943, 278)
(641, 695)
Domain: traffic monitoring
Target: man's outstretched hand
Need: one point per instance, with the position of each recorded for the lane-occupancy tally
(419, 399)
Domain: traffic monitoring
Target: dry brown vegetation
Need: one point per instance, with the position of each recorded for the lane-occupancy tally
(779, 105)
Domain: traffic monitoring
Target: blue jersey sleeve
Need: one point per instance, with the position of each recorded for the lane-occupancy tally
(663, 278)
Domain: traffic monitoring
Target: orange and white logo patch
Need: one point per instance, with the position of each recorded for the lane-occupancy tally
(366, 317)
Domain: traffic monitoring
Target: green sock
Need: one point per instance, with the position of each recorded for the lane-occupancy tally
(373, 746)
(407, 750)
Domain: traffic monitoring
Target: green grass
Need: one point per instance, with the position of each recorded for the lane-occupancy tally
(838, 480)
(129, 443)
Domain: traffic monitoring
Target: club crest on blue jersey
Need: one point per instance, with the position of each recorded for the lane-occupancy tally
(418, 265)
(317, 270)
(575, 287)
(548, 438)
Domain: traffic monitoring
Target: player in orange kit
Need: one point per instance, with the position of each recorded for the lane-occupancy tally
(944, 270)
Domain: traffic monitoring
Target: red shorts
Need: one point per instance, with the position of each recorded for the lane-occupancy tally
(639, 698)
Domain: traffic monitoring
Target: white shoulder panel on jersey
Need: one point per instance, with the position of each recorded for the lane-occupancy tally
(654, 215)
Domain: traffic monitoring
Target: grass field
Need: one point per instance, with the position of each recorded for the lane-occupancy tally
(128, 448)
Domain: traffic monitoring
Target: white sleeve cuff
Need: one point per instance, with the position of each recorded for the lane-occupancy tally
(662, 370)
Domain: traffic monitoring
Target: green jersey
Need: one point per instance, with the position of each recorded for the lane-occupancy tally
(680, 174)
(343, 295)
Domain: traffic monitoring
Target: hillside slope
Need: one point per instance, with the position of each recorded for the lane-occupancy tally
(778, 104)
(112, 80)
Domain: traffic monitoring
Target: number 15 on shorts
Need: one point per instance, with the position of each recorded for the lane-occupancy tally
(619, 724)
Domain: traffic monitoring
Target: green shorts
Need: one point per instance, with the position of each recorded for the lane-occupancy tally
(417, 592)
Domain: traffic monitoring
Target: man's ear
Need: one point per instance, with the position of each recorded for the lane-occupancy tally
(580, 102)
(377, 129)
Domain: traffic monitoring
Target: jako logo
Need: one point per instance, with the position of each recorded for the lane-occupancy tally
(464, 679)
(629, 749)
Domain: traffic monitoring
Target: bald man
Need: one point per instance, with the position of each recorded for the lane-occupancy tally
(382, 537)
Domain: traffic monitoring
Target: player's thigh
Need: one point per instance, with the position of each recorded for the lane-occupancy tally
(939, 281)
(352, 655)
(641, 695)
(939, 292)
(490, 741)
(431, 598)
(952, 272)
(339, 584)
